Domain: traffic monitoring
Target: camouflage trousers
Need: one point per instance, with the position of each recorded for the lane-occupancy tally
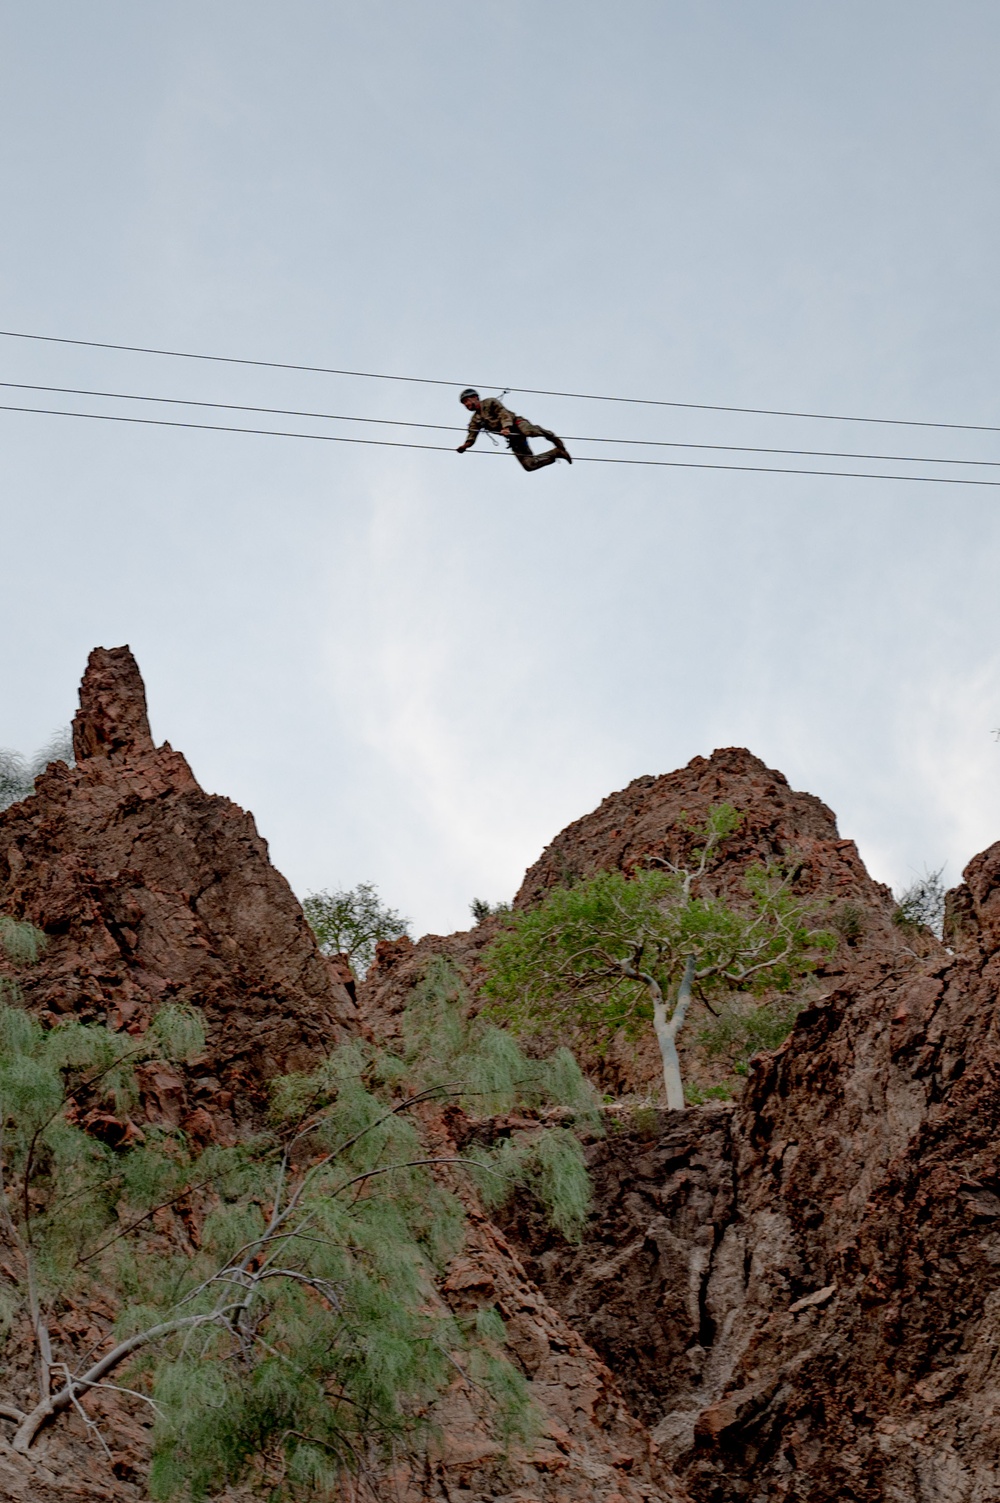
(521, 449)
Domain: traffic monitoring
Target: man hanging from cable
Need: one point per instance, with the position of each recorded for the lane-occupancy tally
(492, 415)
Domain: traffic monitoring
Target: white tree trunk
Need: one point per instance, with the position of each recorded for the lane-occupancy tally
(666, 1036)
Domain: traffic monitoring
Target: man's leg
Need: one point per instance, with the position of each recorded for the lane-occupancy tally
(521, 450)
(539, 461)
(532, 430)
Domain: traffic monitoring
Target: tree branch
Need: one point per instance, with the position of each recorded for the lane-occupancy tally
(53, 1404)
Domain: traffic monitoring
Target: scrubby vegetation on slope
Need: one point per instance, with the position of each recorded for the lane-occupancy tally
(276, 1302)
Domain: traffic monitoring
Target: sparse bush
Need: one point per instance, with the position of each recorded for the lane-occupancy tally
(645, 1120)
(850, 920)
(745, 1027)
(921, 905)
(698, 1095)
(481, 909)
(21, 942)
(352, 921)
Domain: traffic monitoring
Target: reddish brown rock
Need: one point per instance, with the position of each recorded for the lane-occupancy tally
(151, 890)
(801, 1295)
(658, 817)
(973, 908)
(589, 1448)
(112, 715)
(651, 820)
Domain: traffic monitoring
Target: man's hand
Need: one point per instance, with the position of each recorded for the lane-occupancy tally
(507, 432)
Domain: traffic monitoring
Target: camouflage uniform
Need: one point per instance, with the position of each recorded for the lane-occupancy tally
(493, 416)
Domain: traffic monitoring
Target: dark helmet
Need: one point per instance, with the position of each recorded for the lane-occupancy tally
(469, 392)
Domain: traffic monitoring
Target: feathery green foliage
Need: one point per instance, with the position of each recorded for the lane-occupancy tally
(20, 942)
(483, 1065)
(299, 1334)
(70, 1181)
(484, 1068)
(351, 922)
(548, 1163)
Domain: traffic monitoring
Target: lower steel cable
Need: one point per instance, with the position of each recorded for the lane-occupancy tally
(394, 443)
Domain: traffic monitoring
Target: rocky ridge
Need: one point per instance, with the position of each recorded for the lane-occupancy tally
(795, 1297)
(151, 890)
(799, 1294)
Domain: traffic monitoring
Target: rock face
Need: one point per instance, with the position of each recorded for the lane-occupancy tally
(655, 819)
(590, 1449)
(801, 1295)
(151, 890)
(658, 817)
(796, 1297)
(972, 912)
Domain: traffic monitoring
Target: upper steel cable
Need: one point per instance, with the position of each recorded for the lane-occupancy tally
(390, 443)
(531, 391)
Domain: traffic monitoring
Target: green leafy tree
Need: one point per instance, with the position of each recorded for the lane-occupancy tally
(352, 921)
(621, 951)
(298, 1336)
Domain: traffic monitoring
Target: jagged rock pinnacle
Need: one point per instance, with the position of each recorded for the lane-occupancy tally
(112, 716)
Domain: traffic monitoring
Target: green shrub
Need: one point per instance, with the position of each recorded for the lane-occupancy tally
(850, 920)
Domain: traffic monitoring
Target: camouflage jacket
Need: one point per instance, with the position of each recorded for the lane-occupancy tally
(492, 416)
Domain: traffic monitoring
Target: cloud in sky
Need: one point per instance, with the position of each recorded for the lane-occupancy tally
(418, 667)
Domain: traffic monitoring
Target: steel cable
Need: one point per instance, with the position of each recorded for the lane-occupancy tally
(578, 438)
(534, 391)
(387, 443)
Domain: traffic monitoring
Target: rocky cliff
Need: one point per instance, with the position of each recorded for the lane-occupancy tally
(793, 1297)
(656, 819)
(799, 1294)
(151, 890)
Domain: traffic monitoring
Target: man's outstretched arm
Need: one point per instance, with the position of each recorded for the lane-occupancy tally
(474, 427)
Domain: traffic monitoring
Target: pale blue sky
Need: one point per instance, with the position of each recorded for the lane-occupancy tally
(416, 667)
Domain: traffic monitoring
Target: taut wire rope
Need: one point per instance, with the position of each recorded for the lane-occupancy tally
(390, 443)
(532, 391)
(574, 438)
